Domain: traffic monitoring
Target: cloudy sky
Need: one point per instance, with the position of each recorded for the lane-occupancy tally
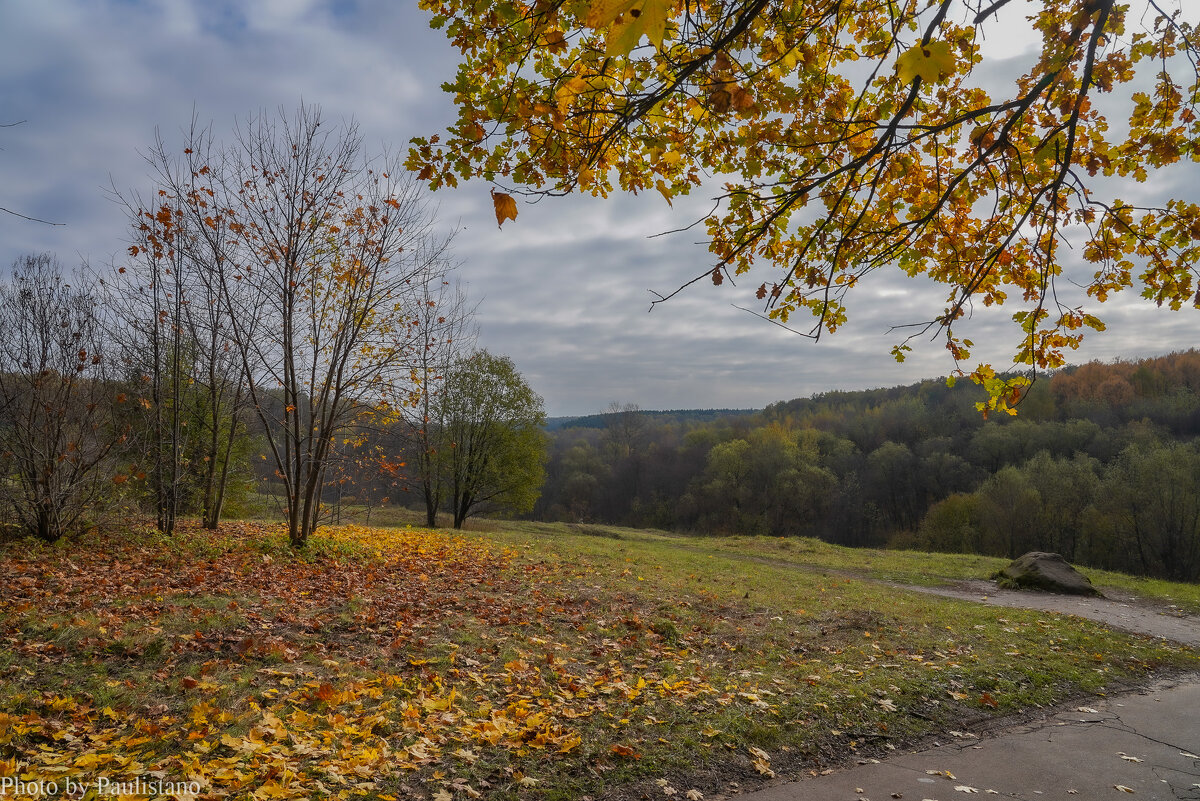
(564, 291)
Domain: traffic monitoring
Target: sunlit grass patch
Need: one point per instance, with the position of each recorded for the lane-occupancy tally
(534, 661)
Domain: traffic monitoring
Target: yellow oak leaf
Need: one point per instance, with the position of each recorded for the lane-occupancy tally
(931, 62)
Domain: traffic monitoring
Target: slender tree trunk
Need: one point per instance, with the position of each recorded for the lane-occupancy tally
(213, 512)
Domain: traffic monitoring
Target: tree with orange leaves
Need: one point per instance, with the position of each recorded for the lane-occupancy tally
(854, 137)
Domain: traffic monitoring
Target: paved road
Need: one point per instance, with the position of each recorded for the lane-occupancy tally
(1144, 745)
(1141, 745)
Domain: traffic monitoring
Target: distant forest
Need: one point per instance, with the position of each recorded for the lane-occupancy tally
(1101, 465)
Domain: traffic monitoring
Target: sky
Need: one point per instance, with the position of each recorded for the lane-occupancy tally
(564, 290)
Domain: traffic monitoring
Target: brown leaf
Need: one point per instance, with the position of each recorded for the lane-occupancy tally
(506, 207)
(625, 751)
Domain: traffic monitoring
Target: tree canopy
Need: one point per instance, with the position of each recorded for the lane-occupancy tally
(853, 136)
(493, 449)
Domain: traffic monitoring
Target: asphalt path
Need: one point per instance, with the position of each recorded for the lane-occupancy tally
(1144, 744)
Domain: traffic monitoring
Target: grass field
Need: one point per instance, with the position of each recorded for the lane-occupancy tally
(526, 661)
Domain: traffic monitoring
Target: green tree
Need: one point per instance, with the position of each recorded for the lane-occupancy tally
(769, 482)
(853, 136)
(952, 525)
(1066, 487)
(1149, 509)
(495, 448)
(1009, 507)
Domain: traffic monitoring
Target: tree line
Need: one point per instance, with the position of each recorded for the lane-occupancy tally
(284, 300)
(1101, 464)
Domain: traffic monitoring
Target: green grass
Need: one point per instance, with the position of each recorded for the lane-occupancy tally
(905, 567)
(523, 661)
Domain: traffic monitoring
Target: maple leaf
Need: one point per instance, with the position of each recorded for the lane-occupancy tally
(930, 62)
(643, 18)
(739, 81)
(505, 207)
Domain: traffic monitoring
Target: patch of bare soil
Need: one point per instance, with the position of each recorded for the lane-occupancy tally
(1120, 610)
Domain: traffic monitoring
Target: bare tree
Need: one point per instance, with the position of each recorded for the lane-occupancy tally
(56, 422)
(445, 333)
(168, 314)
(144, 317)
(320, 254)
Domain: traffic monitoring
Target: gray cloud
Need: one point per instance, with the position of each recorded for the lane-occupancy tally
(565, 288)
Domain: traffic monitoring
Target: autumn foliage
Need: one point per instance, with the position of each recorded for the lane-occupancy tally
(312, 257)
(851, 137)
(282, 678)
(403, 663)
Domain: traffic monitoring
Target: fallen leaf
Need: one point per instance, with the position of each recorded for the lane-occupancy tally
(625, 751)
(1123, 788)
(963, 788)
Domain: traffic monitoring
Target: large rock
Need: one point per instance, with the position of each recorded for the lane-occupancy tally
(1045, 571)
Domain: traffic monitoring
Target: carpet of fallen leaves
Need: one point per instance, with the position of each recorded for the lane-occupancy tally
(394, 663)
(408, 655)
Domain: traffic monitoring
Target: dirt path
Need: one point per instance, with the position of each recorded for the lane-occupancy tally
(1119, 610)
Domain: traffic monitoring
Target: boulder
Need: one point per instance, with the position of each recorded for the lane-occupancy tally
(1045, 571)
